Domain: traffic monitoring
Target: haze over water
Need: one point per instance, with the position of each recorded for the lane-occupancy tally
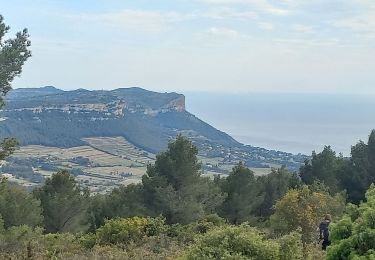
(297, 123)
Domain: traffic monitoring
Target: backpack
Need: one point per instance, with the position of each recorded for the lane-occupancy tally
(323, 230)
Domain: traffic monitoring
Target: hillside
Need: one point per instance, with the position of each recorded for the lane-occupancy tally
(147, 119)
(108, 137)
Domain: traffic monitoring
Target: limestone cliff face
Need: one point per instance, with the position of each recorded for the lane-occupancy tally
(148, 119)
(105, 104)
(177, 105)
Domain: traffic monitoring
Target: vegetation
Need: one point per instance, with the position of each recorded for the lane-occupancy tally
(353, 236)
(13, 54)
(18, 207)
(243, 195)
(177, 213)
(63, 202)
(354, 174)
(303, 209)
(173, 186)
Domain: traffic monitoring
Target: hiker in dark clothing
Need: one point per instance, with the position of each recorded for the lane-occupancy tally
(324, 232)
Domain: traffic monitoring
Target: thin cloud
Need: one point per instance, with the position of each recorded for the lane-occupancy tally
(226, 32)
(358, 24)
(300, 28)
(262, 6)
(362, 23)
(135, 20)
(266, 26)
(221, 13)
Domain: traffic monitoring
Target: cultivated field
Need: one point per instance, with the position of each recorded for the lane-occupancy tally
(104, 171)
(105, 163)
(120, 147)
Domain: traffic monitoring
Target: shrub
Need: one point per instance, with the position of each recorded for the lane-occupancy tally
(155, 226)
(19, 242)
(206, 224)
(88, 240)
(122, 231)
(61, 244)
(341, 229)
(353, 237)
(186, 234)
(291, 247)
(234, 242)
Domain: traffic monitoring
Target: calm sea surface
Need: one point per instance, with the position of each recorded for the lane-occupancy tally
(297, 123)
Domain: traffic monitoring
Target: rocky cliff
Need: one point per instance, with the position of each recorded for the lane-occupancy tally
(149, 120)
(49, 116)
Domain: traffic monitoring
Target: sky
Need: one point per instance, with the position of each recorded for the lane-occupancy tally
(234, 46)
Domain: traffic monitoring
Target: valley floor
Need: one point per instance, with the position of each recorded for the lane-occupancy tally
(101, 165)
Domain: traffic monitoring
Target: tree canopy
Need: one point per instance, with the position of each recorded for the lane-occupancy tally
(17, 206)
(173, 186)
(243, 195)
(63, 202)
(13, 54)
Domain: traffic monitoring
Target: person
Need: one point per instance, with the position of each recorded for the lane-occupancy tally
(324, 231)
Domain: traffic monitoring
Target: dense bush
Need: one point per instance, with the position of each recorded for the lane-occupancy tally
(291, 247)
(234, 242)
(129, 230)
(19, 242)
(122, 231)
(353, 237)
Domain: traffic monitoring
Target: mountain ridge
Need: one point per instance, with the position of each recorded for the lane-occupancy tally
(52, 117)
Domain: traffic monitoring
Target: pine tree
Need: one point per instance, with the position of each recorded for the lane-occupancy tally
(64, 203)
(242, 195)
(13, 54)
(174, 187)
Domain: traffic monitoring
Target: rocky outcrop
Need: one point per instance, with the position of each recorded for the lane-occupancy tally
(115, 103)
(177, 104)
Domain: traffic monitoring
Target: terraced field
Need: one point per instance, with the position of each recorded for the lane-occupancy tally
(120, 147)
(104, 171)
(104, 163)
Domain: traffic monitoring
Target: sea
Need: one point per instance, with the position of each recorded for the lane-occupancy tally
(296, 123)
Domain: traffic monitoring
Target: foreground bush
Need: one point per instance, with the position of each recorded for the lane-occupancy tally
(151, 238)
(234, 242)
(353, 237)
(23, 242)
(19, 240)
(246, 242)
(124, 231)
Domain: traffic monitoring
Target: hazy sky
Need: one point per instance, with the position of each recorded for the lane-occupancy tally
(188, 45)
